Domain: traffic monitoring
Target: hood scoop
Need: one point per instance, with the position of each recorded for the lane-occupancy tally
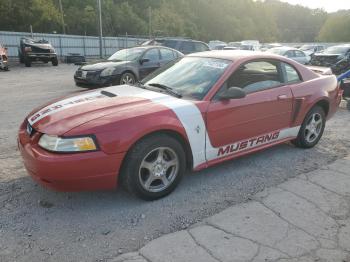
(109, 94)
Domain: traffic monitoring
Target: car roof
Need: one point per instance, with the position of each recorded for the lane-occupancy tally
(234, 55)
(146, 47)
(179, 39)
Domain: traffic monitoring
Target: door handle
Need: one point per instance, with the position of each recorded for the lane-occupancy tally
(282, 97)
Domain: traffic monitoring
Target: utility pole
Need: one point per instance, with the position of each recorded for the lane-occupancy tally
(150, 22)
(62, 17)
(31, 31)
(100, 26)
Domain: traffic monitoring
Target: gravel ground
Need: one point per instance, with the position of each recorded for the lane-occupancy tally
(41, 225)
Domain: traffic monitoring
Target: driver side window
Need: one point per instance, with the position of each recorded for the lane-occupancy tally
(254, 76)
(152, 55)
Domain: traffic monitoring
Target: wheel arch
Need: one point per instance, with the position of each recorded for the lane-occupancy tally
(324, 104)
(131, 71)
(172, 133)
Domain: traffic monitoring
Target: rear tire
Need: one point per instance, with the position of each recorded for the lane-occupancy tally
(312, 128)
(27, 62)
(54, 61)
(154, 167)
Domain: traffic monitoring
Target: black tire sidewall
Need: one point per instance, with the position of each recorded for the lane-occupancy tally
(126, 73)
(27, 62)
(301, 136)
(130, 178)
(54, 62)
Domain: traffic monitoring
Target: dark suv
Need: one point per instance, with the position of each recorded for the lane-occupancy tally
(36, 50)
(185, 46)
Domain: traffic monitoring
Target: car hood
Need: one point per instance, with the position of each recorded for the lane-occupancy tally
(38, 45)
(103, 65)
(63, 115)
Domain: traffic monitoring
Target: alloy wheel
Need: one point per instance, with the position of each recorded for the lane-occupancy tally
(313, 127)
(159, 169)
(127, 79)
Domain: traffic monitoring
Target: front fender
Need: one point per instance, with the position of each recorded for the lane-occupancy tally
(118, 136)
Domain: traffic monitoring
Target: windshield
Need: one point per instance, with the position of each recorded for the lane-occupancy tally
(277, 51)
(334, 50)
(127, 54)
(190, 76)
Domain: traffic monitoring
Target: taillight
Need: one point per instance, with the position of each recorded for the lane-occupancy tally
(27, 49)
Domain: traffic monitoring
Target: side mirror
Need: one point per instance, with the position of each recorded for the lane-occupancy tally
(232, 93)
(143, 60)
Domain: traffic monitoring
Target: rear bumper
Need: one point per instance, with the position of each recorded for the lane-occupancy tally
(69, 172)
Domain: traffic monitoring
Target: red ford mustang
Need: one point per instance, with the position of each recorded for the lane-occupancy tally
(195, 112)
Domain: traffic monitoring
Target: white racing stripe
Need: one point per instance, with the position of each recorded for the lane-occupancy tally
(64, 104)
(188, 114)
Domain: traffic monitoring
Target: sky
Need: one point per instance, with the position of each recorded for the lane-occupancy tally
(328, 5)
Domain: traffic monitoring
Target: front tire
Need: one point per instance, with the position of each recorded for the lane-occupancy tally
(154, 167)
(54, 61)
(127, 79)
(312, 128)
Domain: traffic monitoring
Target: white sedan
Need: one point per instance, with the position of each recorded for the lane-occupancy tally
(292, 53)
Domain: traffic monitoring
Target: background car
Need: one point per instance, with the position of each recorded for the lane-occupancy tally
(126, 66)
(312, 49)
(31, 50)
(214, 43)
(219, 47)
(292, 53)
(331, 55)
(184, 45)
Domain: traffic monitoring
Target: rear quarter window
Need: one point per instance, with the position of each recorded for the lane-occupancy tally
(291, 75)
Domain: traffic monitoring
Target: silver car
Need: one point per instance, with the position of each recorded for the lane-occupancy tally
(292, 53)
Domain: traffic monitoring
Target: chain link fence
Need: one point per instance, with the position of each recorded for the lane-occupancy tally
(87, 46)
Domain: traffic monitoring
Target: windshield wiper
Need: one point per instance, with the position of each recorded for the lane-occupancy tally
(166, 88)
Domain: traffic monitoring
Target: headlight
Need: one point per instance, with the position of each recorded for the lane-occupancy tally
(52, 50)
(67, 144)
(107, 72)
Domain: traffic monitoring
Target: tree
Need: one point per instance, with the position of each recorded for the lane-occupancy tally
(336, 28)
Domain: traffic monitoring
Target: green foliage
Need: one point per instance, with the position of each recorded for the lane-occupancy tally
(228, 20)
(336, 28)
